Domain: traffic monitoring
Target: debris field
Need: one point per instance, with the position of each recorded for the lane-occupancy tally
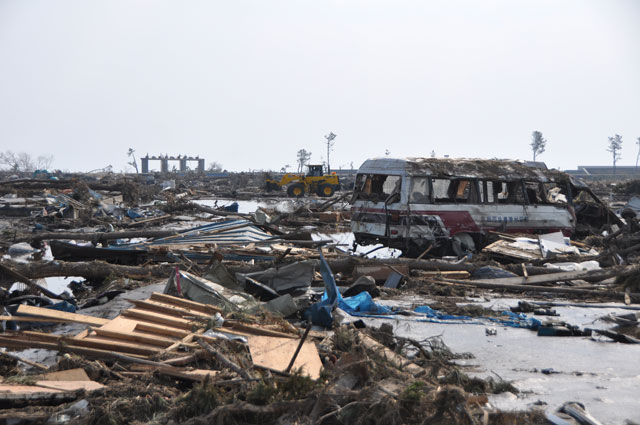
(199, 300)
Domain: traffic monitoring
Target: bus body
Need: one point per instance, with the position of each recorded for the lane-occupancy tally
(416, 203)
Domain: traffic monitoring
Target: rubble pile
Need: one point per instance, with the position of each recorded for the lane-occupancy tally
(181, 302)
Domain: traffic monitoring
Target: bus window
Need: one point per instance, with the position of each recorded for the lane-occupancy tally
(463, 191)
(440, 190)
(535, 193)
(490, 194)
(556, 194)
(391, 185)
(515, 192)
(500, 191)
(377, 187)
(419, 193)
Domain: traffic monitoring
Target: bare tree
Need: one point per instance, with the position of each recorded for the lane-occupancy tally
(615, 146)
(133, 162)
(303, 159)
(638, 156)
(215, 167)
(538, 144)
(17, 162)
(285, 168)
(330, 137)
(43, 162)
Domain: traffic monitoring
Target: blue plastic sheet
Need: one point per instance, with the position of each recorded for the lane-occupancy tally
(362, 304)
(513, 320)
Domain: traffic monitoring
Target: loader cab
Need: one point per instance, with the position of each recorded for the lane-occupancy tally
(315, 171)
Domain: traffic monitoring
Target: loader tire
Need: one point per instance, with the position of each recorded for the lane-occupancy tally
(325, 190)
(296, 190)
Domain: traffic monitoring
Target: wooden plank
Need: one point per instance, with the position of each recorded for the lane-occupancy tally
(149, 316)
(255, 330)
(88, 386)
(30, 319)
(155, 329)
(89, 352)
(135, 337)
(116, 346)
(82, 334)
(77, 374)
(187, 339)
(276, 353)
(167, 309)
(61, 315)
(120, 324)
(181, 302)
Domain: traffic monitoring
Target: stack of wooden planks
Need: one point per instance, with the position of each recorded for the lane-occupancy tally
(162, 326)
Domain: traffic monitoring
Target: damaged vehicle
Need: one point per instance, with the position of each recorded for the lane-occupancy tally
(451, 205)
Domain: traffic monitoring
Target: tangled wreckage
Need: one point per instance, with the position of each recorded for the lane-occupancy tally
(131, 302)
(419, 204)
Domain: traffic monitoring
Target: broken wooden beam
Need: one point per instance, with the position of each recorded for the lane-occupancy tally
(47, 313)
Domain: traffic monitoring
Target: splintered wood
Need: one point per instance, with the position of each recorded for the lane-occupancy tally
(160, 326)
(63, 385)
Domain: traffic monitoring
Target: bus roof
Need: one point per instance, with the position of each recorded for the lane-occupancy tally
(492, 169)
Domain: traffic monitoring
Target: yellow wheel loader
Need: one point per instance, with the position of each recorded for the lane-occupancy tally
(315, 181)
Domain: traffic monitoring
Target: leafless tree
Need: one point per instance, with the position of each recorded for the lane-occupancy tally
(538, 144)
(133, 162)
(43, 162)
(330, 141)
(215, 167)
(638, 156)
(23, 162)
(303, 158)
(615, 146)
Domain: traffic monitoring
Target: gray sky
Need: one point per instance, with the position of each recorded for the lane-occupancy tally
(248, 83)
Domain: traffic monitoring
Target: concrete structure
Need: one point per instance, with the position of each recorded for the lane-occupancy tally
(164, 162)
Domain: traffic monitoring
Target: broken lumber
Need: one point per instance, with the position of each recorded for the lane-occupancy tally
(60, 315)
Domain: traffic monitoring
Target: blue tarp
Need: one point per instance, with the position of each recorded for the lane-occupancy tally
(363, 305)
(358, 305)
(513, 320)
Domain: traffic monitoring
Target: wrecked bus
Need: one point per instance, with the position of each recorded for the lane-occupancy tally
(451, 205)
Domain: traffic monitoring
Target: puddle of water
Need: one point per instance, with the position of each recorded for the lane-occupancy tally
(597, 372)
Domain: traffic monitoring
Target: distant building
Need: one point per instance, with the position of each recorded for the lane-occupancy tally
(605, 172)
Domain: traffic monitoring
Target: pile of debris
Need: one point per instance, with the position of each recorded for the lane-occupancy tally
(269, 316)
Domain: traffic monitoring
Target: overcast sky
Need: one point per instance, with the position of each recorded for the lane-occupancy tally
(249, 83)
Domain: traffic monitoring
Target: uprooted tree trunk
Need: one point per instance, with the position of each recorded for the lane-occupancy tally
(88, 270)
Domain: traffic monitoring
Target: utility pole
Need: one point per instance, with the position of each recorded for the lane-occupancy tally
(330, 142)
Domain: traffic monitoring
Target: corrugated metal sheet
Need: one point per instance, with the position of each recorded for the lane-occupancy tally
(230, 232)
